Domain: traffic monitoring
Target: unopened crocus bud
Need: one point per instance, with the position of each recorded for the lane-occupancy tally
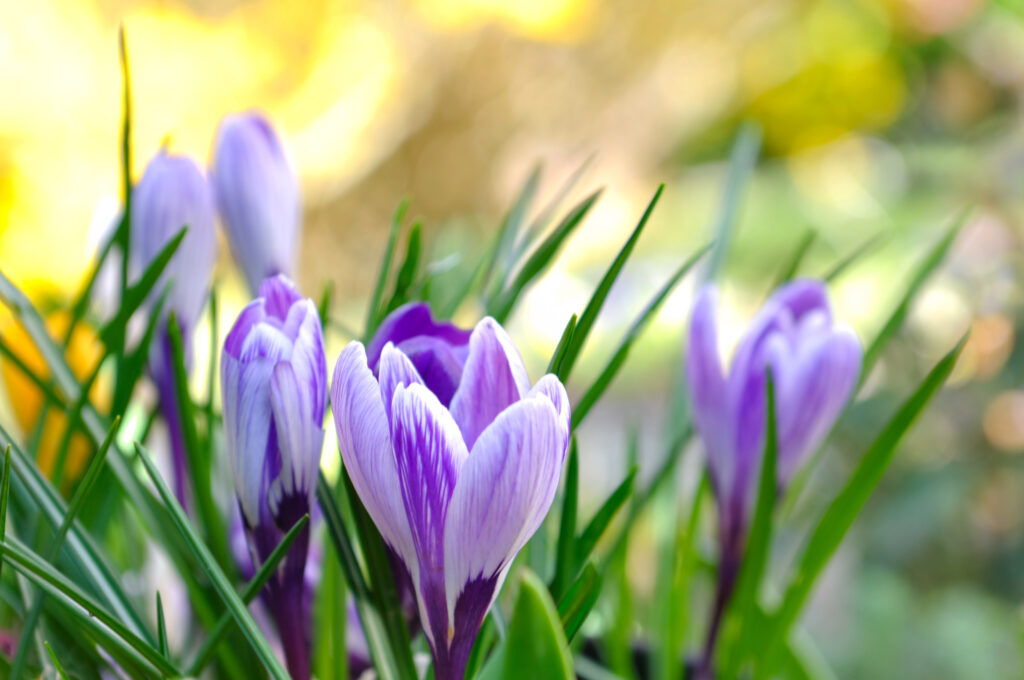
(815, 363)
(458, 489)
(274, 387)
(173, 194)
(257, 195)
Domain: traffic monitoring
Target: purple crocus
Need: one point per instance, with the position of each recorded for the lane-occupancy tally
(172, 194)
(274, 384)
(815, 363)
(455, 490)
(257, 195)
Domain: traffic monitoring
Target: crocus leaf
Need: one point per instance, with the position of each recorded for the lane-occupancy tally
(742, 160)
(499, 258)
(580, 411)
(113, 333)
(748, 585)
(792, 266)
(407, 272)
(324, 307)
(579, 599)
(249, 592)
(604, 516)
(372, 312)
(540, 259)
(565, 557)
(555, 365)
(90, 613)
(56, 662)
(841, 513)
(133, 365)
(536, 644)
(124, 231)
(593, 308)
(839, 267)
(921, 275)
(5, 494)
(214, 573)
(338, 533)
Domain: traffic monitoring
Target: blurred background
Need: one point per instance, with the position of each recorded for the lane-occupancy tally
(882, 121)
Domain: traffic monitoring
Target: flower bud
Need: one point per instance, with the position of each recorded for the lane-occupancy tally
(257, 195)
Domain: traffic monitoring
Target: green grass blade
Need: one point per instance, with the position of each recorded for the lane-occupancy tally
(755, 559)
(792, 266)
(91, 613)
(742, 160)
(133, 365)
(406, 272)
(323, 309)
(580, 411)
(43, 385)
(56, 662)
(603, 517)
(840, 267)
(547, 213)
(249, 592)
(374, 304)
(338, 534)
(580, 597)
(74, 416)
(113, 333)
(593, 308)
(841, 513)
(200, 465)
(214, 573)
(499, 255)
(124, 229)
(540, 259)
(5, 494)
(161, 626)
(565, 559)
(921, 275)
(555, 365)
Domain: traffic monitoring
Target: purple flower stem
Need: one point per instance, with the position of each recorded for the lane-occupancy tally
(728, 572)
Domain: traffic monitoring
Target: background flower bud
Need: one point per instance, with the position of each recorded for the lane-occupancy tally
(258, 196)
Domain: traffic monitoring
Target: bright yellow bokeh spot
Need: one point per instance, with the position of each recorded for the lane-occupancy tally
(27, 399)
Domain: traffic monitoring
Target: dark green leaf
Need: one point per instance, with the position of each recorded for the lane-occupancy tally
(593, 308)
(565, 559)
(373, 307)
(339, 537)
(161, 626)
(5, 493)
(214, 573)
(536, 645)
(555, 365)
(56, 663)
(407, 272)
(579, 599)
(591, 396)
(603, 517)
(837, 270)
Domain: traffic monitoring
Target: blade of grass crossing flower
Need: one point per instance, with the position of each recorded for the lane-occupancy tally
(134, 364)
(43, 385)
(921, 275)
(565, 557)
(56, 663)
(745, 601)
(840, 267)
(595, 391)
(81, 304)
(603, 517)
(742, 160)
(340, 539)
(5, 495)
(89, 612)
(113, 333)
(382, 585)
(555, 365)
(215, 574)
(540, 259)
(248, 594)
(124, 230)
(372, 311)
(792, 267)
(579, 599)
(161, 626)
(593, 308)
(74, 416)
(841, 513)
(200, 465)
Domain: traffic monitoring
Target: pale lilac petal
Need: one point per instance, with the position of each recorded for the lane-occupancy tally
(308, 358)
(430, 452)
(707, 387)
(503, 493)
(300, 436)
(551, 387)
(494, 378)
(395, 370)
(365, 443)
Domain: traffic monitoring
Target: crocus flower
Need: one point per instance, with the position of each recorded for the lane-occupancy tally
(455, 490)
(257, 195)
(815, 363)
(172, 194)
(274, 384)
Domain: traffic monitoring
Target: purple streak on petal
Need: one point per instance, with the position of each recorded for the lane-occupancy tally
(279, 294)
(364, 439)
(430, 452)
(470, 610)
(504, 490)
(494, 379)
(438, 362)
(395, 370)
(411, 321)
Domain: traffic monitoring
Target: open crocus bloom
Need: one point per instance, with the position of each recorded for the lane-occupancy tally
(456, 491)
(815, 363)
